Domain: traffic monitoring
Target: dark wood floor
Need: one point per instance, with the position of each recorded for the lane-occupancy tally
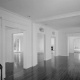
(65, 68)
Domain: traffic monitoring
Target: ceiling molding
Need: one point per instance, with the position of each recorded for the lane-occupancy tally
(16, 14)
(73, 14)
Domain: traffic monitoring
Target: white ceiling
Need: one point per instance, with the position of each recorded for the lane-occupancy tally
(44, 11)
(63, 22)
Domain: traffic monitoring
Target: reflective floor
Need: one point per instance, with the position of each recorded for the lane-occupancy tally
(63, 68)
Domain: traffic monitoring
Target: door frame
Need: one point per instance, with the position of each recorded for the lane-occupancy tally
(12, 25)
(53, 50)
(44, 44)
(54, 42)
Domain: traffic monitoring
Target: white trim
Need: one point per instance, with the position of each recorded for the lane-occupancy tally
(72, 14)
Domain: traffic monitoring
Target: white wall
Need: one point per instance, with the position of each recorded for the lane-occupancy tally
(40, 43)
(62, 44)
(71, 44)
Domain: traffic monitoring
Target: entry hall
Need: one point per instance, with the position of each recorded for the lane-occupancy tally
(39, 40)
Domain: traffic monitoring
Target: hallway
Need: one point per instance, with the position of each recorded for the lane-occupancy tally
(40, 39)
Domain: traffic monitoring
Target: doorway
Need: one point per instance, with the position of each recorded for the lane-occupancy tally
(74, 53)
(53, 51)
(14, 51)
(18, 51)
(40, 52)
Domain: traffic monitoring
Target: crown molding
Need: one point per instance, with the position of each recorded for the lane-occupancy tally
(13, 13)
(72, 14)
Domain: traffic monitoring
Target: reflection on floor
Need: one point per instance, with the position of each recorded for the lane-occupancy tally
(66, 68)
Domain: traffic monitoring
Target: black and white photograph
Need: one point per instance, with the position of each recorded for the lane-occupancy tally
(39, 39)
